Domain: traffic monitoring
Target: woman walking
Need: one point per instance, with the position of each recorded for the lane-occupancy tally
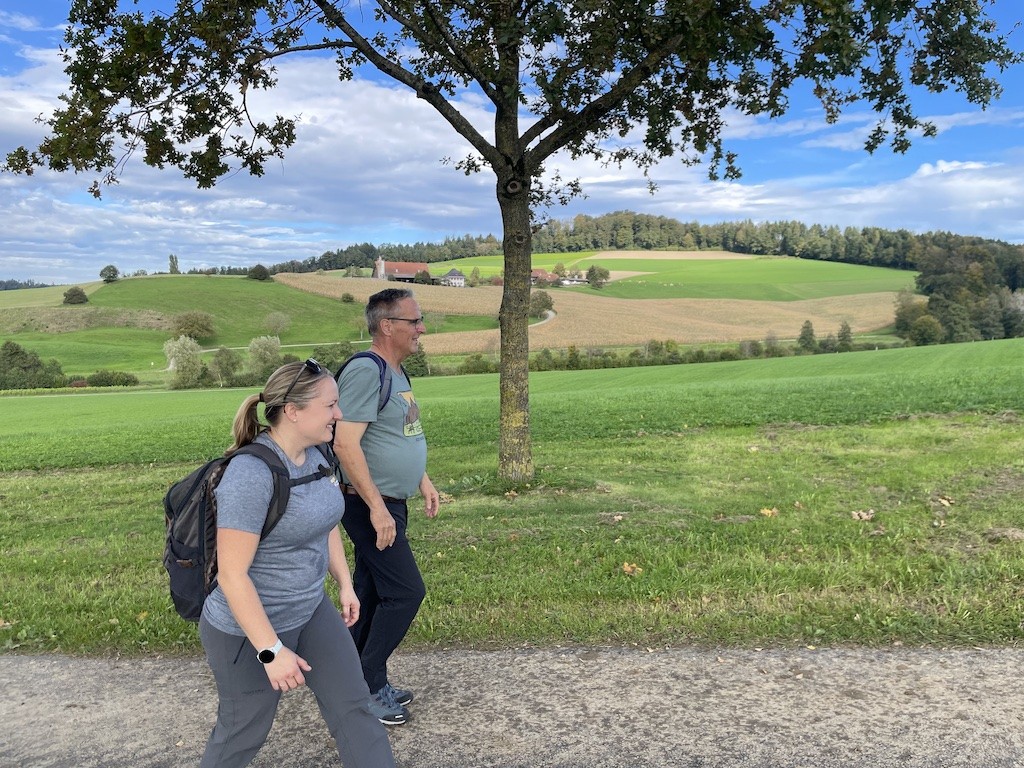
(270, 626)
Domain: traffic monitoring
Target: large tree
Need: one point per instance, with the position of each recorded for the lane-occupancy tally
(574, 76)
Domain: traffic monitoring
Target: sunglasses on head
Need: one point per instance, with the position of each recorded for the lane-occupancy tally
(310, 365)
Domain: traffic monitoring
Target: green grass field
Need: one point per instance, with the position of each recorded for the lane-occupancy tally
(757, 279)
(863, 498)
(761, 279)
(115, 330)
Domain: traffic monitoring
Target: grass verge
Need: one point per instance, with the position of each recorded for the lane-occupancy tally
(763, 503)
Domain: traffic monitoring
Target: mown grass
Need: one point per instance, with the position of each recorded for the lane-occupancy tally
(756, 279)
(863, 498)
(47, 296)
(240, 308)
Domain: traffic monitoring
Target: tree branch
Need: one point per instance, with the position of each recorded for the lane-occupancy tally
(266, 55)
(581, 122)
(424, 89)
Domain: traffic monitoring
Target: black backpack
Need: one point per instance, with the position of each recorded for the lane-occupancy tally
(190, 515)
(385, 379)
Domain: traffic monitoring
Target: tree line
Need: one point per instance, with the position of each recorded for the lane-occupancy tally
(626, 230)
(363, 255)
(872, 246)
(14, 285)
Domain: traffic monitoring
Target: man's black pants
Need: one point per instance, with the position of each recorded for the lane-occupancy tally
(388, 584)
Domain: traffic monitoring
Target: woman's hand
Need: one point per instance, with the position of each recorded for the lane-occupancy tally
(285, 671)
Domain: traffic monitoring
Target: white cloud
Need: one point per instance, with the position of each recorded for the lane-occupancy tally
(19, 22)
(367, 167)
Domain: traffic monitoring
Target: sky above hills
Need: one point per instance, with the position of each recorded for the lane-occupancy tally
(367, 167)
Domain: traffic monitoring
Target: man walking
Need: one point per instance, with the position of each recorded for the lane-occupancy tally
(383, 456)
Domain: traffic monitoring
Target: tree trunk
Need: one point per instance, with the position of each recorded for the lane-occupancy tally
(515, 453)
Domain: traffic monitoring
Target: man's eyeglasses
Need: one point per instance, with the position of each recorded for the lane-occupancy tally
(310, 365)
(410, 320)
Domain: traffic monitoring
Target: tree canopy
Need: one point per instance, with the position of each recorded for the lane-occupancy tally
(574, 77)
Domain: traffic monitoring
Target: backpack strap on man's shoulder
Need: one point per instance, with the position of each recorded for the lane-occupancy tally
(385, 379)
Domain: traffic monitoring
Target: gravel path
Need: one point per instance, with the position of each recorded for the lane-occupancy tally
(562, 708)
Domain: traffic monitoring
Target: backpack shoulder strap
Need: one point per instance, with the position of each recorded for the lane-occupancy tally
(331, 469)
(385, 379)
(282, 483)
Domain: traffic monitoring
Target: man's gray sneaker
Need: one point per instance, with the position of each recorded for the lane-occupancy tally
(401, 696)
(386, 709)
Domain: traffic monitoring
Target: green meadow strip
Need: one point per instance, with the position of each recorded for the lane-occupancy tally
(866, 498)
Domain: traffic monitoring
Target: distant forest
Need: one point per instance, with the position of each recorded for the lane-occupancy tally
(974, 285)
(13, 285)
(625, 230)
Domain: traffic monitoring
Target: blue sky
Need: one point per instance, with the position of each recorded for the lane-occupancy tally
(367, 168)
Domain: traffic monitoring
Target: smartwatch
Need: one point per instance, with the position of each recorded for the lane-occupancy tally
(267, 655)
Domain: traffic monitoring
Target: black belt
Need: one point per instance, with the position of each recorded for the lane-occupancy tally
(350, 490)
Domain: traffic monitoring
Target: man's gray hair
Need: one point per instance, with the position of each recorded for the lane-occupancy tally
(382, 304)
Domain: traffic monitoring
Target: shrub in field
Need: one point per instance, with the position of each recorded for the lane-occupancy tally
(196, 325)
(75, 295)
(23, 369)
(111, 379)
(806, 340)
(477, 364)
(277, 323)
(540, 303)
(544, 361)
(331, 356)
(259, 272)
(224, 365)
(597, 276)
(416, 364)
(925, 330)
(183, 358)
(264, 355)
(844, 342)
(751, 349)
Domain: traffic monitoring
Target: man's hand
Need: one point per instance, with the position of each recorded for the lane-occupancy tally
(431, 498)
(384, 524)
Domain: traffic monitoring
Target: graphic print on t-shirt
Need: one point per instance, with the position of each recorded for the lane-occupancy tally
(412, 416)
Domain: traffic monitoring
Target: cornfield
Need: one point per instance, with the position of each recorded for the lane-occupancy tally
(585, 320)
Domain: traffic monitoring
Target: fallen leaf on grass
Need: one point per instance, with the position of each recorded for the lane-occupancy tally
(632, 569)
(863, 514)
(773, 512)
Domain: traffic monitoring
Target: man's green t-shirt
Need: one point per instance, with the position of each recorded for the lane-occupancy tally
(394, 444)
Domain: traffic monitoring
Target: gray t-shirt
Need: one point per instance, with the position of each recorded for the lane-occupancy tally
(289, 567)
(394, 444)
